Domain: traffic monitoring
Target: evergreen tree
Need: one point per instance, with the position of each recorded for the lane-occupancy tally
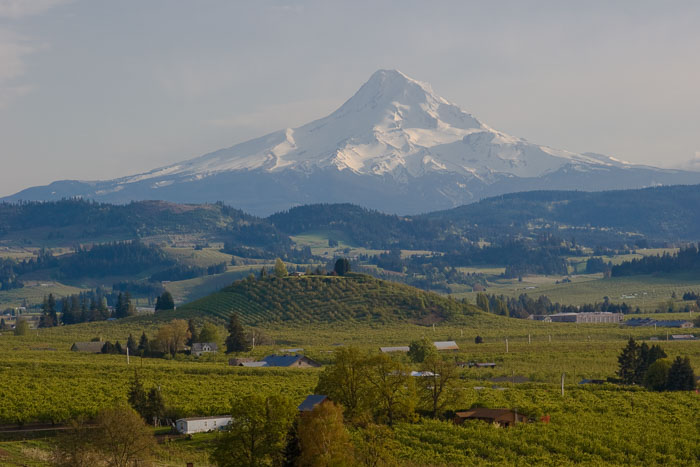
(681, 376)
(192, 329)
(643, 363)
(120, 308)
(656, 353)
(137, 396)
(118, 348)
(144, 348)
(342, 266)
(132, 345)
(108, 348)
(155, 406)
(49, 317)
(263, 273)
(236, 340)
(482, 302)
(628, 362)
(165, 302)
(3, 325)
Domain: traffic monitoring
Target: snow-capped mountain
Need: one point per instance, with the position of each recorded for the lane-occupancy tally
(395, 146)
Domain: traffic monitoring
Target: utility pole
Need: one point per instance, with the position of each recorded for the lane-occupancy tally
(127, 355)
(528, 339)
(562, 384)
(506, 345)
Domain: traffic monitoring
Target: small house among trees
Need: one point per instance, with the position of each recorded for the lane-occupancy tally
(200, 348)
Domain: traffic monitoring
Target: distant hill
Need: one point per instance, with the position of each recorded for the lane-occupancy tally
(608, 218)
(325, 299)
(668, 213)
(74, 221)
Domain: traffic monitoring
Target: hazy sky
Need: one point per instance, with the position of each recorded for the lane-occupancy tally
(97, 89)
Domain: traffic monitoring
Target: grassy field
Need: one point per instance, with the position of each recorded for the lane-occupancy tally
(202, 258)
(647, 292)
(192, 289)
(34, 293)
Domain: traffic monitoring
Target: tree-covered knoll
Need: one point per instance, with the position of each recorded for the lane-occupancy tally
(78, 220)
(324, 299)
(365, 227)
(112, 259)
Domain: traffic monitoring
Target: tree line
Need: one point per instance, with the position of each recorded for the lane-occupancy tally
(648, 366)
(524, 306)
(687, 259)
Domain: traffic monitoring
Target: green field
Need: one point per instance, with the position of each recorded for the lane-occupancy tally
(646, 292)
(202, 258)
(192, 289)
(596, 425)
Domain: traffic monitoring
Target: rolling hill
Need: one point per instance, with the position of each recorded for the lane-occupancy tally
(324, 299)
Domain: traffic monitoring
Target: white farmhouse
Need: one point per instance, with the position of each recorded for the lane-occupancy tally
(188, 426)
(200, 348)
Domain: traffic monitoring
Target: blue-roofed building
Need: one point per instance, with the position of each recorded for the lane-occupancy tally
(311, 402)
(290, 361)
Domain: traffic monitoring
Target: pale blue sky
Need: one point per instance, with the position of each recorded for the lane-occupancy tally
(97, 89)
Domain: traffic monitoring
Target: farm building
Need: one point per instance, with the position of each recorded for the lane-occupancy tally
(682, 337)
(400, 348)
(311, 402)
(239, 361)
(286, 361)
(446, 345)
(188, 426)
(91, 347)
(199, 348)
(647, 322)
(290, 361)
(253, 364)
(476, 365)
(503, 417)
(595, 317)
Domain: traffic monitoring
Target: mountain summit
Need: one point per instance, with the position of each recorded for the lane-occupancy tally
(395, 145)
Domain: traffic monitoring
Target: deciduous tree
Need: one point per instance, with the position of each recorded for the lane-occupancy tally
(323, 438)
(436, 386)
(257, 433)
(346, 381)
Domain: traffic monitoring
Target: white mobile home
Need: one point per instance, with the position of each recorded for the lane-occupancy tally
(188, 426)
